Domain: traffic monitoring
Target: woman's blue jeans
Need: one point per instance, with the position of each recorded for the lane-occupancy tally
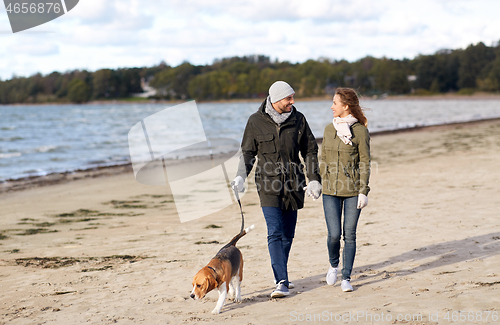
(333, 206)
(280, 233)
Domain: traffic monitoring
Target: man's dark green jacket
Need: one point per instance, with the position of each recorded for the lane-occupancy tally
(279, 173)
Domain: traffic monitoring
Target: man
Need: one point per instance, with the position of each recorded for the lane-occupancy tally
(276, 134)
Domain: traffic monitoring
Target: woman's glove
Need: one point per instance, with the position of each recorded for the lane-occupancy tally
(362, 201)
(313, 189)
(239, 184)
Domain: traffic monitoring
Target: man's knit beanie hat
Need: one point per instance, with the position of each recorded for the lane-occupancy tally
(280, 90)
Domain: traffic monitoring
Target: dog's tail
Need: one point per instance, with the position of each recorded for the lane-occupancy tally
(238, 236)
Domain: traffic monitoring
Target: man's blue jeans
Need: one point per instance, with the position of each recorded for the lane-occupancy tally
(333, 206)
(280, 233)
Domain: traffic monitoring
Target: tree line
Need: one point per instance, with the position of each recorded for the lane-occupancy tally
(475, 68)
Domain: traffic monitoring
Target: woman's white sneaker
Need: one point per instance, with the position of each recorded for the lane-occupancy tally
(331, 275)
(346, 286)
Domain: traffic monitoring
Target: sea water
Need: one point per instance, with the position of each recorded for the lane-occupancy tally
(42, 139)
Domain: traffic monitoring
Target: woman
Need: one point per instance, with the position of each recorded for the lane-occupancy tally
(345, 170)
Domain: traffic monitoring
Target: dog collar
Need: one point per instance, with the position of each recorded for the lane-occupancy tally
(215, 272)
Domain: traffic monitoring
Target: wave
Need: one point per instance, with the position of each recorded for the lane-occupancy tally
(47, 148)
(10, 155)
(35, 172)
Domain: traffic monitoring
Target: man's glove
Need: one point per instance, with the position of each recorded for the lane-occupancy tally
(362, 201)
(239, 184)
(313, 189)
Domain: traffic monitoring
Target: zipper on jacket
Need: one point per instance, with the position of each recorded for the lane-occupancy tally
(346, 170)
(338, 165)
(278, 128)
(327, 177)
(280, 158)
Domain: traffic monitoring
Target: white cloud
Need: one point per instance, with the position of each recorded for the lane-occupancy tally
(33, 49)
(113, 14)
(126, 33)
(287, 10)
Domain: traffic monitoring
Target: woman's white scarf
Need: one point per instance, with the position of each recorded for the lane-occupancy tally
(343, 127)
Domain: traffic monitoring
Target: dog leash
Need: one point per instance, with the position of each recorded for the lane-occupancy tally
(233, 186)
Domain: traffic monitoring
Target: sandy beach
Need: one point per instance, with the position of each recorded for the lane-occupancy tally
(100, 248)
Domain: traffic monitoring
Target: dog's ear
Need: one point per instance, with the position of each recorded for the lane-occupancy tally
(211, 283)
(206, 285)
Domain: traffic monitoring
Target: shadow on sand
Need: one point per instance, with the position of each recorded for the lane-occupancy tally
(447, 253)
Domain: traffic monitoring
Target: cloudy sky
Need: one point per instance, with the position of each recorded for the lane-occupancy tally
(132, 33)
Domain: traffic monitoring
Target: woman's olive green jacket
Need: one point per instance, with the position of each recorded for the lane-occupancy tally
(345, 169)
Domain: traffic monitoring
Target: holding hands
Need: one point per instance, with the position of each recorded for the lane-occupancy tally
(313, 189)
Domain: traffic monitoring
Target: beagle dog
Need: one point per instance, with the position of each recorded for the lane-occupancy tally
(224, 270)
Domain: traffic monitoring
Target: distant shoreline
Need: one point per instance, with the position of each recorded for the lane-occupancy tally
(448, 96)
(478, 95)
(24, 183)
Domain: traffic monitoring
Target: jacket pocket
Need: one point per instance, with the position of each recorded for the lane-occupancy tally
(351, 178)
(269, 184)
(326, 179)
(348, 149)
(328, 167)
(295, 179)
(266, 143)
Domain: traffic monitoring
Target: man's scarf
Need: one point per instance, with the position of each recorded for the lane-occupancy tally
(277, 117)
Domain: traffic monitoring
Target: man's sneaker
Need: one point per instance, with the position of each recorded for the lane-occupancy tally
(290, 284)
(346, 286)
(331, 276)
(280, 291)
